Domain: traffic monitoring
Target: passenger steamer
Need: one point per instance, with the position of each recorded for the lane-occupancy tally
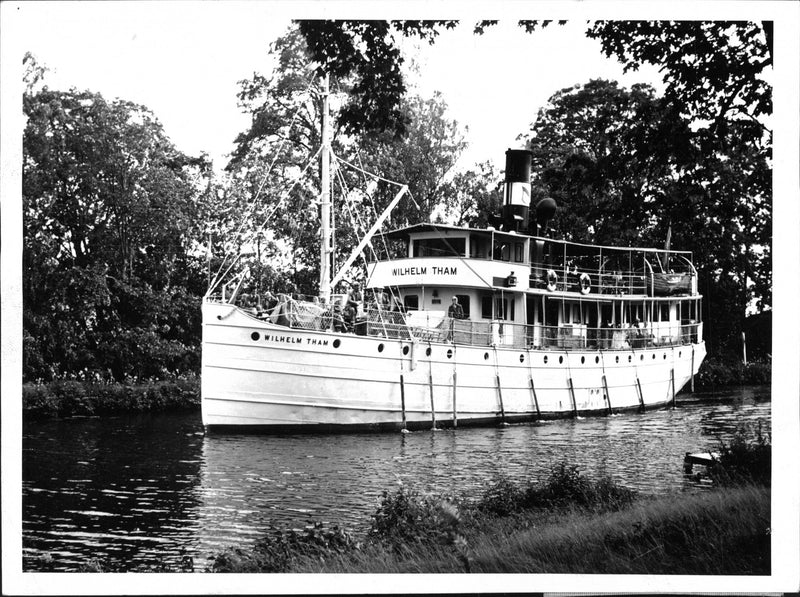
(546, 329)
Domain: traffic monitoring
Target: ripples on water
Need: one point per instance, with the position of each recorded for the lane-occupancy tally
(133, 490)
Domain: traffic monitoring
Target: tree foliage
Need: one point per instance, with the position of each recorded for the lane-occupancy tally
(285, 115)
(367, 51)
(109, 210)
(625, 166)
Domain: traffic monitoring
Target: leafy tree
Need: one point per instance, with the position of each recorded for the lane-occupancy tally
(367, 51)
(109, 209)
(625, 165)
(285, 111)
(604, 153)
(471, 196)
(712, 70)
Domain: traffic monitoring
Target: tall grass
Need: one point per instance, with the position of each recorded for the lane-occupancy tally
(718, 532)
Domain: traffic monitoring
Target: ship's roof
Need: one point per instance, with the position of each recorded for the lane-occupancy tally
(431, 227)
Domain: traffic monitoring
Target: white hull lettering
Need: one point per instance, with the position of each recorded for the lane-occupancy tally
(293, 340)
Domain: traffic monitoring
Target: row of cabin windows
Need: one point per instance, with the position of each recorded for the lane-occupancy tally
(456, 247)
(411, 302)
(503, 308)
(491, 307)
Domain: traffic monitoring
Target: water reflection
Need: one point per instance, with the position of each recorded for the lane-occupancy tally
(130, 490)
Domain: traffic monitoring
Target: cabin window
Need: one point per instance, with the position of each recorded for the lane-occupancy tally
(502, 252)
(518, 252)
(440, 247)
(463, 300)
(664, 311)
(503, 308)
(411, 302)
(486, 307)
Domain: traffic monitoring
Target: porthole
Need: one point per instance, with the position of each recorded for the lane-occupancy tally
(485, 356)
(255, 336)
(596, 360)
(522, 358)
(616, 359)
(337, 343)
(380, 347)
(654, 356)
(449, 353)
(583, 360)
(428, 351)
(560, 360)
(405, 350)
(641, 357)
(545, 359)
(679, 354)
(665, 356)
(629, 358)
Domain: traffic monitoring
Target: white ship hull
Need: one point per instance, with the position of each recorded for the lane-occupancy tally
(261, 376)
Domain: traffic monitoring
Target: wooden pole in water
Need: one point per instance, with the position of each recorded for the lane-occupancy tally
(533, 387)
(672, 382)
(572, 395)
(605, 383)
(455, 415)
(430, 385)
(403, 399)
(692, 371)
(500, 394)
(499, 387)
(571, 389)
(535, 399)
(638, 383)
(672, 377)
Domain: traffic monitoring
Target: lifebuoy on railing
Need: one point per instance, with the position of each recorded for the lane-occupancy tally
(586, 283)
(552, 280)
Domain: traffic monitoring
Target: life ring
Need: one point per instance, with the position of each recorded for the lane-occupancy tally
(552, 280)
(586, 283)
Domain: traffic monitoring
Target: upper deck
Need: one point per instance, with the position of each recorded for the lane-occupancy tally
(436, 254)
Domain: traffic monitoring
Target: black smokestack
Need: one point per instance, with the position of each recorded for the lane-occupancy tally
(517, 192)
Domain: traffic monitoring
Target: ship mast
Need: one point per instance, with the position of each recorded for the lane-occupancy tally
(325, 199)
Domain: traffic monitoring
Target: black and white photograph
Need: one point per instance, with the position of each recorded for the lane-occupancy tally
(430, 297)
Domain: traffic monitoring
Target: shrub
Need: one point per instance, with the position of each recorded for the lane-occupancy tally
(502, 497)
(407, 517)
(70, 397)
(725, 371)
(757, 373)
(715, 372)
(280, 547)
(38, 402)
(746, 459)
(565, 487)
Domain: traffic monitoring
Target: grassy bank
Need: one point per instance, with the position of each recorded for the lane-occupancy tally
(721, 532)
(81, 398)
(566, 524)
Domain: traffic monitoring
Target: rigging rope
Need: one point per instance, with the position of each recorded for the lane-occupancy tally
(255, 203)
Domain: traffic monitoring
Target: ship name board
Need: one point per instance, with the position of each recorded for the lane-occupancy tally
(295, 340)
(436, 270)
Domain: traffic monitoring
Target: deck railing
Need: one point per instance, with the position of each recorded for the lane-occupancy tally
(430, 327)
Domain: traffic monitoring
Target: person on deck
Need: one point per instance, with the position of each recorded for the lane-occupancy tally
(455, 310)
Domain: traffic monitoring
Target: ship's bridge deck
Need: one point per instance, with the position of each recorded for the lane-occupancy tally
(436, 254)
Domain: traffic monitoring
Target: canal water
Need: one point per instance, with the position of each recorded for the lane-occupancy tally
(134, 490)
